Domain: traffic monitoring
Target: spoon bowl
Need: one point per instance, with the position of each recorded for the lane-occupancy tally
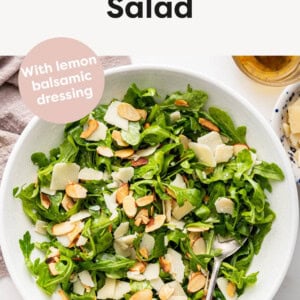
(227, 248)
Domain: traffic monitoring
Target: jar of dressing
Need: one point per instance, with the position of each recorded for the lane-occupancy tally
(270, 70)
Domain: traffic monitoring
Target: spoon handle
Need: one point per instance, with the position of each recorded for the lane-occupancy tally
(213, 278)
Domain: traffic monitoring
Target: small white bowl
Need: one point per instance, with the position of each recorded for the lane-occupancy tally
(279, 115)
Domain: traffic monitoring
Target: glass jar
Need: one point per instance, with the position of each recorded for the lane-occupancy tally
(270, 70)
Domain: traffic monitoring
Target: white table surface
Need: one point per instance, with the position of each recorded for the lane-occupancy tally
(262, 97)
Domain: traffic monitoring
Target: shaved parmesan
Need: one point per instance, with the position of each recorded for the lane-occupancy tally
(177, 266)
(294, 116)
(86, 278)
(121, 249)
(204, 154)
(212, 140)
(180, 211)
(144, 152)
(176, 224)
(147, 242)
(111, 204)
(157, 283)
(178, 291)
(121, 230)
(63, 174)
(123, 174)
(41, 227)
(86, 174)
(178, 182)
(64, 240)
(297, 157)
(81, 241)
(48, 191)
(122, 288)
(134, 275)
(223, 285)
(127, 239)
(99, 134)
(152, 271)
(223, 153)
(78, 288)
(224, 206)
(108, 290)
(175, 116)
(112, 117)
(83, 214)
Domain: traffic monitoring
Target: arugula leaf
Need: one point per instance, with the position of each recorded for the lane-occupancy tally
(27, 248)
(140, 98)
(108, 263)
(195, 99)
(40, 159)
(225, 123)
(269, 171)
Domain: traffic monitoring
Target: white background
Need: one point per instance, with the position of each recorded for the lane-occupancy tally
(217, 27)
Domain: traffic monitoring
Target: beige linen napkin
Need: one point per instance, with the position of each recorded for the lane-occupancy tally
(14, 116)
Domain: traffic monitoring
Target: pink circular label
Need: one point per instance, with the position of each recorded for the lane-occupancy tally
(61, 80)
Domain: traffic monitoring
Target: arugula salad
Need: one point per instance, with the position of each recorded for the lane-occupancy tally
(131, 201)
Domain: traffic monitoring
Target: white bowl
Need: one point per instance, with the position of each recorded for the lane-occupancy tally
(277, 250)
(289, 94)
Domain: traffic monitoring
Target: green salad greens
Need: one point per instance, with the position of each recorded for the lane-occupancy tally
(131, 201)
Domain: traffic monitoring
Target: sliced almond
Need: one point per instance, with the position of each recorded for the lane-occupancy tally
(181, 102)
(170, 193)
(145, 220)
(45, 200)
(138, 222)
(184, 141)
(63, 295)
(75, 190)
(142, 217)
(122, 192)
(62, 228)
(142, 113)
(74, 234)
(67, 202)
(54, 252)
(143, 294)
(92, 127)
(52, 269)
(231, 289)
(144, 252)
(128, 112)
(165, 264)
(165, 292)
(129, 206)
(193, 236)
(140, 162)
(105, 151)
(208, 125)
(124, 153)
(196, 283)
(144, 201)
(197, 229)
(238, 148)
(155, 223)
(116, 135)
(199, 246)
(139, 267)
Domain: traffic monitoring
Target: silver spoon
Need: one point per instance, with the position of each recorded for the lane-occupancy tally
(228, 248)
